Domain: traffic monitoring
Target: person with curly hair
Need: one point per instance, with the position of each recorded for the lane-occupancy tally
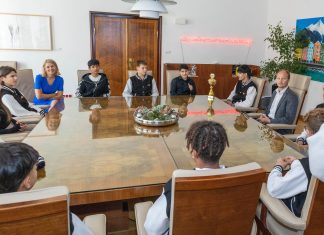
(206, 141)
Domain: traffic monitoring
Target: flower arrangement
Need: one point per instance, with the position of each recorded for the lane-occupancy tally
(160, 115)
(159, 112)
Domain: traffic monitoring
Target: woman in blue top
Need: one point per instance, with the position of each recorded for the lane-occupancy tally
(48, 85)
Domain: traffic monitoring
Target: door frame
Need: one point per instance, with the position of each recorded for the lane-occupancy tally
(93, 14)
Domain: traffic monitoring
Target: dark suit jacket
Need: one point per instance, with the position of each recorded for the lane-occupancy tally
(286, 109)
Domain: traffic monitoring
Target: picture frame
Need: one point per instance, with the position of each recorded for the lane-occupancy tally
(25, 32)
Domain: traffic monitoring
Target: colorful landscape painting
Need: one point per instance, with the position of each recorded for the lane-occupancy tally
(311, 32)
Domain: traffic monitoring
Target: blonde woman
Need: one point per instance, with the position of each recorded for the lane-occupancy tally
(48, 85)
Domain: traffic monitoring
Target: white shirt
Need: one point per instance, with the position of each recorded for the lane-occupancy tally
(249, 99)
(79, 227)
(275, 102)
(292, 183)
(16, 109)
(95, 79)
(128, 88)
(316, 153)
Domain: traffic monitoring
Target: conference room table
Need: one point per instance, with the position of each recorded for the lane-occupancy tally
(95, 148)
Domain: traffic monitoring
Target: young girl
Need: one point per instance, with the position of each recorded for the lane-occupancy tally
(12, 97)
(48, 85)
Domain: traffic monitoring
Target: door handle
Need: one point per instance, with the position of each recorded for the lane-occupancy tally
(130, 63)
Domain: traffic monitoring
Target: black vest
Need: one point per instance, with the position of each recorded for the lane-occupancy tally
(18, 97)
(241, 90)
(296, 203)
(141, 87)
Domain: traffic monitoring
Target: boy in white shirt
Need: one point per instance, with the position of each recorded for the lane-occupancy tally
(292, 187)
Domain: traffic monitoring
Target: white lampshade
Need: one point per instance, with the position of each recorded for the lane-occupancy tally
(165, 2)
(149, 8)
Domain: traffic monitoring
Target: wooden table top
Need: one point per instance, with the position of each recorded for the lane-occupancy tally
(94, 147)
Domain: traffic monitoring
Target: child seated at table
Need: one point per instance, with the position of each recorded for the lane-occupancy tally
(94, 84)
(141, 84)
(301, 139)
(206, 140)
(292, 187)
(18, 172)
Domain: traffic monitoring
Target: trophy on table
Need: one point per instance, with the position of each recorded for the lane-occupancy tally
(212, 83)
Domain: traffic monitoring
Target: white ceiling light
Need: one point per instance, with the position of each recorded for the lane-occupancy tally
(150, 8)
(165, 2)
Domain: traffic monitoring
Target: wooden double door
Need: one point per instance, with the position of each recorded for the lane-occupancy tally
(119, 40)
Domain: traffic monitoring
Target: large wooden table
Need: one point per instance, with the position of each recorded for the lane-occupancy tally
(102, 155)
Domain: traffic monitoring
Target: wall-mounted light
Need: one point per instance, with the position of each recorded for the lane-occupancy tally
(217, 40)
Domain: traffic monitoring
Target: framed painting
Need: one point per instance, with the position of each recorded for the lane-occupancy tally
(311, 52)
(25, 32)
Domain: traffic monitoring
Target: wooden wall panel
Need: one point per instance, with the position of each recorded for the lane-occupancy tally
(223, 74)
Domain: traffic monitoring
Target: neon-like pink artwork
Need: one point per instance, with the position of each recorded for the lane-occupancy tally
(217, 40)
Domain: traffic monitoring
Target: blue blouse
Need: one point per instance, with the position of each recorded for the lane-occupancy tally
(42, 84)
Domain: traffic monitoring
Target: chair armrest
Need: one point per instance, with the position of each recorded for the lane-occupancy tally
(141, 210)
(29, 119)
(254, 115)
(14, 137)
(282, 126)
(291, 137)
(280, 211)
(247, 109)
(42, 106)
(96, 223)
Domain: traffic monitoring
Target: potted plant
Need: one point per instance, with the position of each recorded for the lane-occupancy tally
(285, 45)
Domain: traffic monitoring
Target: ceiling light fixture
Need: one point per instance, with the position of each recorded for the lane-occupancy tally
(165, 2)
(150, 8)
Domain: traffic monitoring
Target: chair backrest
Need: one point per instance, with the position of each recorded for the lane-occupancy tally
(299, 84)
(43, 211)
(9, 63)
(220, 201)
(313, 210)
(170, 74)
(25, 83)
(259, 82)
(133, 72)
(81, 72)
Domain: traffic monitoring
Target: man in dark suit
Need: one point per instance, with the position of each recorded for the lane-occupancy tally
(283, 104)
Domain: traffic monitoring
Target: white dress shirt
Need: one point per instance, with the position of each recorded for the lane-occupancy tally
(128, 88)
(275, 102)
(292, 183)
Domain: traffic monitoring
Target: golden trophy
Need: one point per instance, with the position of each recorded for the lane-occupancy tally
(212, 83)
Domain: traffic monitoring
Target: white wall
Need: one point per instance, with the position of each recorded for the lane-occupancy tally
(288, 11)
(208, 18)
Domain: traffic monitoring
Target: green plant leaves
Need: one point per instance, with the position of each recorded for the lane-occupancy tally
(284, 44)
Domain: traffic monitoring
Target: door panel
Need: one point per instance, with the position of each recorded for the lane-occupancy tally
(110, 50)
(118, 41)
(143, 43)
